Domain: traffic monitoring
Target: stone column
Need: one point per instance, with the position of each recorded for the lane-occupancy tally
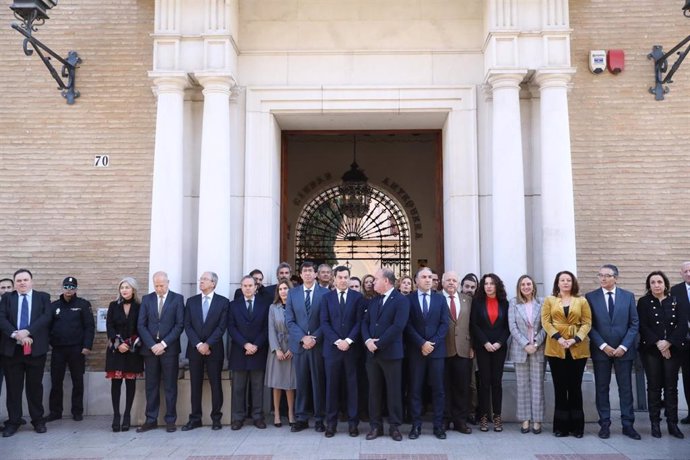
(214, 179)
(507, 178)
(167, 193)
(557, 203)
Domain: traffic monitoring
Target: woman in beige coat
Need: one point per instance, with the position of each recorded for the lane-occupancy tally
(567, 319)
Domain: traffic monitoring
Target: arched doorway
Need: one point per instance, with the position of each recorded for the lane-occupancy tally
(379, 239)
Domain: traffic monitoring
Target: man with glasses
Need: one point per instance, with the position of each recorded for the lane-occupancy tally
(681, 292)
(614, 328)
(71, 337)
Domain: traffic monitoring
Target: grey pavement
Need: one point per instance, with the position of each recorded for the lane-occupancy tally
(92, 438)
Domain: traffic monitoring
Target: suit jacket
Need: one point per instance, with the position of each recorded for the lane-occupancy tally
(245, 329)
(459, 337)
(577, 324)
(387, 322)
(621, 330)
(518, 323)
(433, 328)
(298, 322)
(39, 324)
(210, 331)
(680, 292)
(482, 329)
(167, 328)
(665, 320)
(340, 323)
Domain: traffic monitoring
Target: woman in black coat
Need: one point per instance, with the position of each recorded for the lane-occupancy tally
(122, 359)
(490, 329)
(663, 339)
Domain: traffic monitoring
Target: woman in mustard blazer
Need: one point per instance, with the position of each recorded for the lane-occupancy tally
(567, 319)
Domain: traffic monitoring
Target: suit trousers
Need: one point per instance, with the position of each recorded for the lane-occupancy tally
(530, 388)
(18, 369)
(163, 368)
(196, 380)
(240, 380)
(602, 380)
(661, 374)
(60, 359)
(384, 374)
(457, 375)
(310, 375)
(684, 356)
(341, 370)
(491, 380)
(568, 413)
(422, 370)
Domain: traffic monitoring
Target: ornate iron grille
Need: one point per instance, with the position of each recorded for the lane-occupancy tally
(324, 234)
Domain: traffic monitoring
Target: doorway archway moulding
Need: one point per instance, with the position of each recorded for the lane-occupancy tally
(269, 110)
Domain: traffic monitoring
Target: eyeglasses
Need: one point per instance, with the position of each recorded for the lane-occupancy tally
(69, 288)
(604, 275)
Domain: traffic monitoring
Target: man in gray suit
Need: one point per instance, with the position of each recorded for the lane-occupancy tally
(614, 327)
(306, 343)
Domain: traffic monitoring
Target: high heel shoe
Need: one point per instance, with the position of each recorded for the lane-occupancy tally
(116, 423)
(536, 428)
(125, 423)
(525, 427)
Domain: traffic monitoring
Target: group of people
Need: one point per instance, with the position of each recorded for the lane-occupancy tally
(342, 348)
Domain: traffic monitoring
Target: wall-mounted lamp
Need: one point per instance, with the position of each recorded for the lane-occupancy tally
(33, 13)
(661, 62)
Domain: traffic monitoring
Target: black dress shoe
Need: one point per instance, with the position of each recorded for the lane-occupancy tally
(234, 426)
(440, 433)
(170, 428)
(9, 430)
(395, 434)
(471, 419)
(319, 427)
(330, 432)
(216, 425)
(354, 431)
(578, 434)
(560, 434)
(604, 432)
(415, 432)
(260, 424)
(190, 425)
(685, 420)
(52, 417)
(299, 426)
(462, 427)
(631, 433)
(126, 423)
(656, 430)
(77, 417)
(674, 431)
(374, 433)
(40, 427)
(148, 426)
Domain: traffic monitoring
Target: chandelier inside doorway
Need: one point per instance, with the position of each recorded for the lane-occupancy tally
(324, 233)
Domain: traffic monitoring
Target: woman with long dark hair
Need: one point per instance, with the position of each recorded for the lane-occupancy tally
(567, 320)
(663, 339)
(489, 321)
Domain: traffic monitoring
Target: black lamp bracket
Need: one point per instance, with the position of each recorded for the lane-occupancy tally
(661, 62)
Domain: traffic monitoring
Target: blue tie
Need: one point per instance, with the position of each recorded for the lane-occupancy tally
(307, 302)
(610, 304)
(24, 318)
(425, 305)
(204, 308)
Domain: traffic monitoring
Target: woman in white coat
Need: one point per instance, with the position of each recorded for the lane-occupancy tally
(527, 352)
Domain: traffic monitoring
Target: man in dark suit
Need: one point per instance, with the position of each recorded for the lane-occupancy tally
(25, 317)
(205, 321)
(382, 332)
(306, 344)
(6, 285)
(426, 338)
(341, 320)
(614, 328)
(248, 330)
(283, 273)
(681, 292)
(161, 320)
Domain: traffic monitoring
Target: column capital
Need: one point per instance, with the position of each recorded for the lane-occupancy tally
(169, 82)
(508, 78)
(216, 82)
(554, 78)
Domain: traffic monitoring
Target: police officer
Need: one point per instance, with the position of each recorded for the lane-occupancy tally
(71, 338)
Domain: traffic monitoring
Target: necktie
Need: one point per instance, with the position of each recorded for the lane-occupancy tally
(160, 306)
(250, 308)
(204, 308)
(453, 308)
(610, 304)
(24, 318)
(342, 298)
(425, 305)
(307, 302)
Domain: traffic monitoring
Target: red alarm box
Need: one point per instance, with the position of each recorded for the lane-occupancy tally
(615, 61)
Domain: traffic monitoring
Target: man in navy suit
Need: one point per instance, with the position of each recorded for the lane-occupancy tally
(382, 333)
(248, 329)
(161, 320)
(426, 337)
(341, 319)
(25, 317)
(681, 292)
(205, 321)
(306, 344)
(614, 328)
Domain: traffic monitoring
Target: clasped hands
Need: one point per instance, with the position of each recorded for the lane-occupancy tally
(342, 345)
(282, 356)
(664, 347)
(491, 347)
(22, 337)
(250, 349)
(613, 352)
(566, 343)
(308, 342)
(427, 348)
(158, 349)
